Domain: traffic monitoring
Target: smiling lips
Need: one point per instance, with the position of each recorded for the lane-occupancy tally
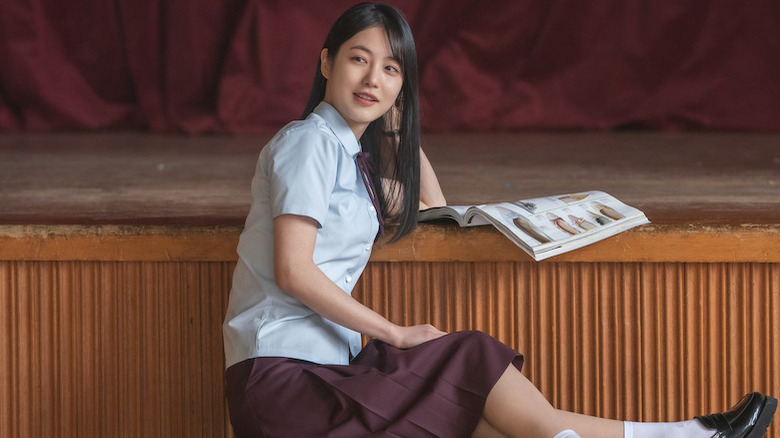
(366, 97)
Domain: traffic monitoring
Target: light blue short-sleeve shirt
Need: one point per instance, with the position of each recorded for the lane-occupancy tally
(309, 168)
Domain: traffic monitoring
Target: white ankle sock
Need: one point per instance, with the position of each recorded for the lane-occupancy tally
(568, 433)
(681, 429)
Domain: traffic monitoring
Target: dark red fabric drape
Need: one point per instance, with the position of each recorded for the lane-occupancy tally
(236, 66)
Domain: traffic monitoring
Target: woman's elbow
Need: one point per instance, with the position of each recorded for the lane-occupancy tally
(440, 202)
(285, 277)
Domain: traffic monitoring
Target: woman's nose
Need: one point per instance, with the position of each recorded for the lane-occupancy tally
(372, 77)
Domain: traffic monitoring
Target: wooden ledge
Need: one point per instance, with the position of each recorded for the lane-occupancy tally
(436, 242)
(648, 243)
(711, 196)
(118, 243)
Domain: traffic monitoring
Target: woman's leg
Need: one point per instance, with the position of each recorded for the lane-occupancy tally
(485, 430)
(515, 407)
(591, 427)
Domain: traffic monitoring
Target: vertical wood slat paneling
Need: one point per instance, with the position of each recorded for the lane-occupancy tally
(645, 342)
(134, 348)
(112, 349)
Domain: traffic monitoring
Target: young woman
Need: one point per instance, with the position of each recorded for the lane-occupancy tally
(322, 188)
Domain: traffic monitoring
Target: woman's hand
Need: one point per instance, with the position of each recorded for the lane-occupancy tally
(412, 336)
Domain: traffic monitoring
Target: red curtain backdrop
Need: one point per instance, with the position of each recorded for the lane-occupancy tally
(244, 66)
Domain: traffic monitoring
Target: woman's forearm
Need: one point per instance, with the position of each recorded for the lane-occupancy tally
(314, 289)
(430, 190)
(298, 275)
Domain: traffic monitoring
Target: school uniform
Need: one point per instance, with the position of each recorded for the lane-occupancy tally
(291, 372)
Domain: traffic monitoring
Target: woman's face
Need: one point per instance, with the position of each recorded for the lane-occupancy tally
(364, 79)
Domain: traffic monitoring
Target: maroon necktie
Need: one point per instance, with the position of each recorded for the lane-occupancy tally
(366, 168)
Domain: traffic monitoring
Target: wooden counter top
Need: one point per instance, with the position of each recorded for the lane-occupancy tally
(710, 196)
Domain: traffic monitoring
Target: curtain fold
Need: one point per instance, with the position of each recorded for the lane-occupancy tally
(244, 66)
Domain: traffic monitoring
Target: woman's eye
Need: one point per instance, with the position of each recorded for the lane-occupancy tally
(358, 59)
(392, 69)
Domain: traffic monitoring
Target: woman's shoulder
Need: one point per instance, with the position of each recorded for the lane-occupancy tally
(303, 140)
(312, 132)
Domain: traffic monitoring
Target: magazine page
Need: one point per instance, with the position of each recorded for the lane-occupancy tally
(455, 212)
(556, 224)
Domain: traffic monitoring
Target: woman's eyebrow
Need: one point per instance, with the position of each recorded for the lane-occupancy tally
(363, 48)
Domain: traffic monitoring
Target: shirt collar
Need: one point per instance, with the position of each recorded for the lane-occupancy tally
(339, 127)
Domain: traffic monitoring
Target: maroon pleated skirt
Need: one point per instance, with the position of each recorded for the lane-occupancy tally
(437, 389)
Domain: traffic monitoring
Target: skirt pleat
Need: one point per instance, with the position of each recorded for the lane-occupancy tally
(437, 389)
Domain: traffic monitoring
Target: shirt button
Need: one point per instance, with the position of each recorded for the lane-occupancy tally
(371, 209)
(367, 247)
(349, 279)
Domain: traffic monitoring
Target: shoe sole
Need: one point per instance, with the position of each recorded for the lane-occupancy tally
(764, 418)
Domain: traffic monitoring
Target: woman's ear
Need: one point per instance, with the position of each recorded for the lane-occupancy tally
(324, 63)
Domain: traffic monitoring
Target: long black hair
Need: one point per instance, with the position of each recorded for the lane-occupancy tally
(400, 162)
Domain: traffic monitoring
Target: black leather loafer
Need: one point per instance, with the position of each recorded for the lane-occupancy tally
(747, 419)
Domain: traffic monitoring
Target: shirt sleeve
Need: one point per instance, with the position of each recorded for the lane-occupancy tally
(302, 173)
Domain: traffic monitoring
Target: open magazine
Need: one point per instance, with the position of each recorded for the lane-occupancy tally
(548, 226)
